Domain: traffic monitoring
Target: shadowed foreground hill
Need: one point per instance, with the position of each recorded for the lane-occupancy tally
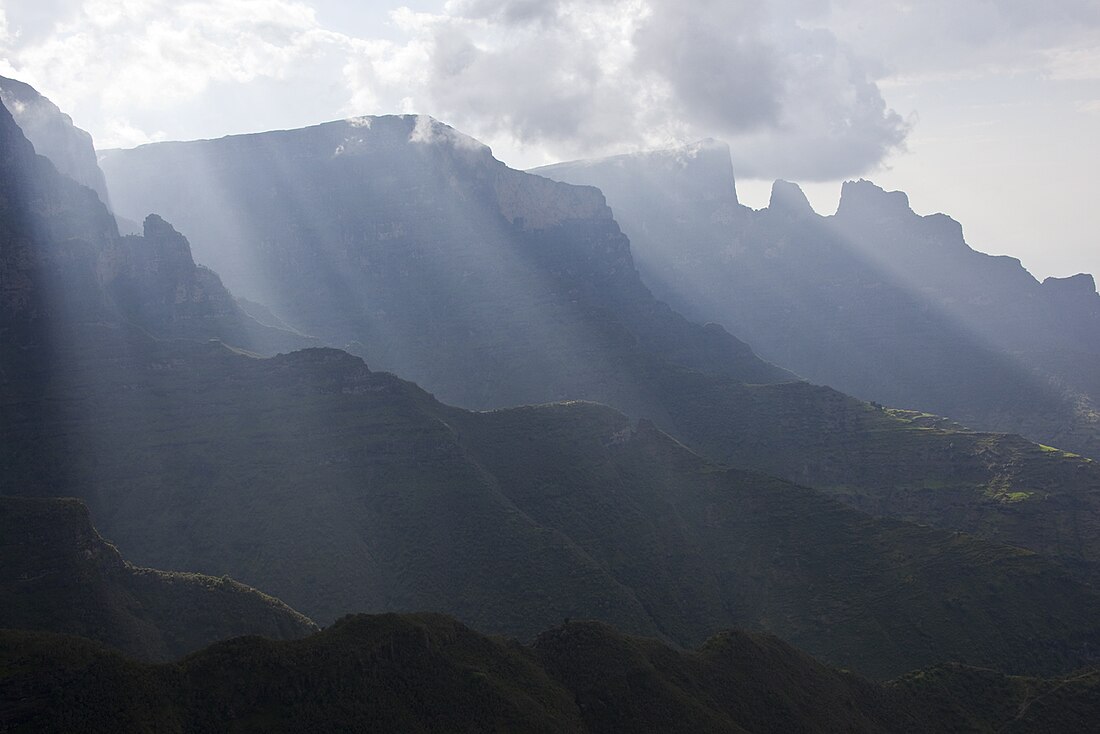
(426, 673)
(58, 574)
(340, 489)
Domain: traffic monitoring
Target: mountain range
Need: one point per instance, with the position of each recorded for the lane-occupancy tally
(409, 244)
(875, 300)
(604, 458)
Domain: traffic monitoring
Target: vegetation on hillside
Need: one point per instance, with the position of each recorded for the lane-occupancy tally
(427, 673)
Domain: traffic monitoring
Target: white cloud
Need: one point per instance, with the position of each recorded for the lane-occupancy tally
(128, 57)
(794, 85)
(566, 78)
(949, 37)
(1074, 64)
(124, 134)
(1091, 106)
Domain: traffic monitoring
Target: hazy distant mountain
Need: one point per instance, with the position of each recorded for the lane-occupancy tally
(409, 241)
(875, 301)
(428, 673)
(53, 135)
(58, 575)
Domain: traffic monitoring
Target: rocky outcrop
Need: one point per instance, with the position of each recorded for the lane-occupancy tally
(155, 281)
(789, 199)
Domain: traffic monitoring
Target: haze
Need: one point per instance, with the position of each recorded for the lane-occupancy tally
(986, 111)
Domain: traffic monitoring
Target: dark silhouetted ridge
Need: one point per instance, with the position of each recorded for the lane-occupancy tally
(57, 574)
(420, 673)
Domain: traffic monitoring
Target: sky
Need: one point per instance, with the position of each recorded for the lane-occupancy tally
(987, 110)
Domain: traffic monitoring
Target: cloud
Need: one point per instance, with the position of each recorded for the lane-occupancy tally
(1081, 63)
(946, 36)
(127, 58)
(795, 86)
(719, 69)
(509, 12)
(1091, 106)
(564, 78)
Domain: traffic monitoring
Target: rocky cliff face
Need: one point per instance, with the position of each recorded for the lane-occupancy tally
(52, 233)
(57, 574)
(54, 136)
(876, 300)
(993, 296)
(63, 266)
(154, 280)
(408, 240)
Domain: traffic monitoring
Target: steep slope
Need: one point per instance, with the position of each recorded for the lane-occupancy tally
(53, 135)
(898, 464)
(157, 283)
(57, 574)
(63, 265)
(427, 673)
(875, 301)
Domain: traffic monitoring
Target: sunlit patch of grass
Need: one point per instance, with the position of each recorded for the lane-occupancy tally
(1058, 452)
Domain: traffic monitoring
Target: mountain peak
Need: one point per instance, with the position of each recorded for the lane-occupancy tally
(168, 244)
(155, 225)
(863, 197)
(789, 199)
(427, 129)
(367, 132)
